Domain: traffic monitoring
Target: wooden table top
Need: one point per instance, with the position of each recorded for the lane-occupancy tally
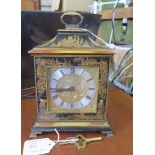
(119, 115)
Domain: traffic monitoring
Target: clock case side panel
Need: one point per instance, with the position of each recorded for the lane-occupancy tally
(42, 114)
(35, 79)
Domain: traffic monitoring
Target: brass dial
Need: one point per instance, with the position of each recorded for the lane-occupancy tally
(73, 88)
(76, 88)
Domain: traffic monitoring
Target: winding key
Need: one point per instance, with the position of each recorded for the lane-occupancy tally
(81, 143)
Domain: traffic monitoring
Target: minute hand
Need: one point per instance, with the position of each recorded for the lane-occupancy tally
(60, 90)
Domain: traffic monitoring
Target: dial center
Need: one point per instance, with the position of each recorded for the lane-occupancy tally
(76, 85)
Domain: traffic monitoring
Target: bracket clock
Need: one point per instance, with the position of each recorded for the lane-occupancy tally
(71, 81)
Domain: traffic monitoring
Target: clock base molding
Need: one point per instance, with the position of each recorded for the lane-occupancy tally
(68, 126)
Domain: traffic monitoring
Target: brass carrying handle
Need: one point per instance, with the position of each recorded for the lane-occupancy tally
(72, 14)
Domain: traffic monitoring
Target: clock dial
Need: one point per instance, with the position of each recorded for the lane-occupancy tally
(72, 88)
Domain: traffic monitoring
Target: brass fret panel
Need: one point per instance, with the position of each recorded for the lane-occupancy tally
(41, 64)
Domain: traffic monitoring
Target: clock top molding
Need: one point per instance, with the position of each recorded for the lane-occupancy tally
(71, 41)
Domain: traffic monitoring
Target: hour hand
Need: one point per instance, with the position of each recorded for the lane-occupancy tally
(60, 90)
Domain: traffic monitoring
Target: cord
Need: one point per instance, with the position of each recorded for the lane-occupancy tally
(124, 58)
(27, 88)
(124, 29)
(119, 70)
(112, 35)
(69, 140)
(122, 71)
(111, 46)
(28, 92)
(58, 135)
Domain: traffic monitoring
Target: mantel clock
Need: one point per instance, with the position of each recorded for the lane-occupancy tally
(71, 81)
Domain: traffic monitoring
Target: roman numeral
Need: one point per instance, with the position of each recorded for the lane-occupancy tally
(62, 72)
(82, 72)
(89, 79)
(55, 79)
(72, 70)
(72, 106)
(52, 88)
(62, 103)
(88, 97)
(81, 104)
(55, 97)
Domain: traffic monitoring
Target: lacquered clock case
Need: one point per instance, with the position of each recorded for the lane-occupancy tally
(68, 106)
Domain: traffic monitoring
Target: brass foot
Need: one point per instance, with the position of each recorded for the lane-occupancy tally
(107, 133)
(34, 134)
(110, 134)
